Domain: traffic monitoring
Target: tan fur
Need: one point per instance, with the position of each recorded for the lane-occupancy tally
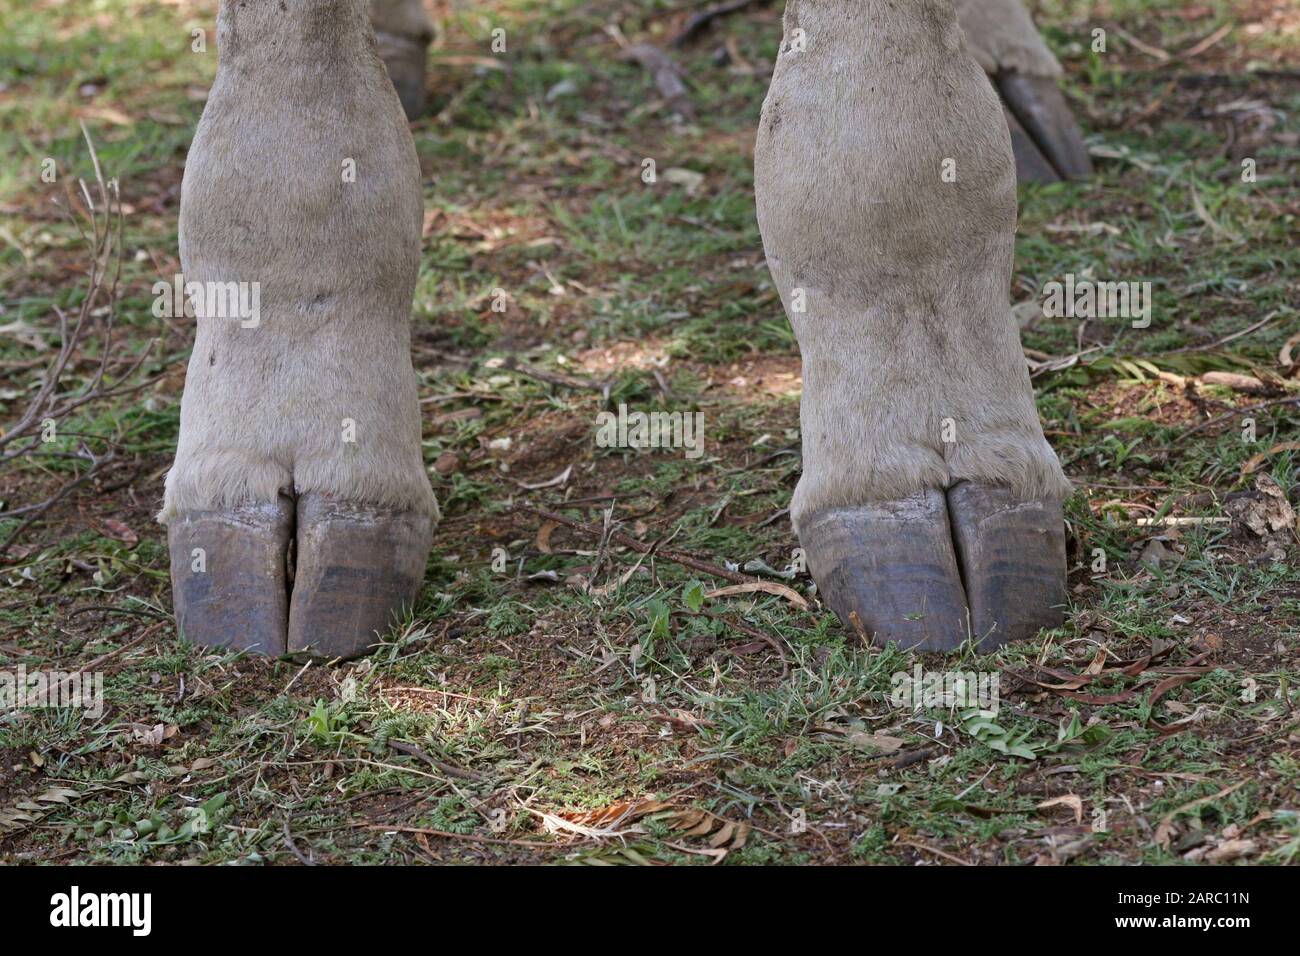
(1001, 36)
(906, 276)
(299, 90)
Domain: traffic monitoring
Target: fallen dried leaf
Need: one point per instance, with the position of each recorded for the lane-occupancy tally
(448, 462)
(559, 479)
(1238, 383)
(1165, 828)
(119, 531)
(544, 536)
(153, 736)
(1265, 511)
(770, 587)
(878, 742)
(1231, 850)
(1156, 553)
(1284, 355)
(1071, 800)
(607, 818)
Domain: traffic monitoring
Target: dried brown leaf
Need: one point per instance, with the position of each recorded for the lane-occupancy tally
(1071, 800)
(119, 531)
(769, 587)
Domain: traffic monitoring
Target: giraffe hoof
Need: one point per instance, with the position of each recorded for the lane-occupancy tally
(931, 570)
(230, 576)
(888, 569)
(410, 90)
(1031, 165)
(404, 57)
(1012, 555)
(359, 568)
(1047, 142)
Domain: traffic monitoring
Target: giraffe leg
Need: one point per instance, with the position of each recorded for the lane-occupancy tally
(929, 508)
(300, 422)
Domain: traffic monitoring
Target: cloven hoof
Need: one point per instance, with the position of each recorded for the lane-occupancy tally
(1045, 138)
(931, 570)
(235, 584)
(404, 58)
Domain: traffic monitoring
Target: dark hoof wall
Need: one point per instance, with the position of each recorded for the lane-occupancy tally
(405, 57)
(230, 576)
(359, 570)
(931, 570)
(411, 93)
(1031, 165)
(888, 570)
(1044, 135)
(1012, 554)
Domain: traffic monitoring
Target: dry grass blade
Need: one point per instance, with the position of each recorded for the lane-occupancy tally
(1284, 354)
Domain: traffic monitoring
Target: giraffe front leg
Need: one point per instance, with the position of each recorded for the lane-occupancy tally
(299, 512)
(929, 507)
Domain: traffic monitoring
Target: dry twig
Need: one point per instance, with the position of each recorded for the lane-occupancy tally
(699, 21)
(676, 557)
(100, 225)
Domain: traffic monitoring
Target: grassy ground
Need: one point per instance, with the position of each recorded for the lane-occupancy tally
(570, 700)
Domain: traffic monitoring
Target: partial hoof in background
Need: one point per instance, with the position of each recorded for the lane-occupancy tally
(359, 569)
(405, 59)
(1012, 555)
(888, 569)
(1031, 165)
(411, 92)
(230, 576)
(1045, 138)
